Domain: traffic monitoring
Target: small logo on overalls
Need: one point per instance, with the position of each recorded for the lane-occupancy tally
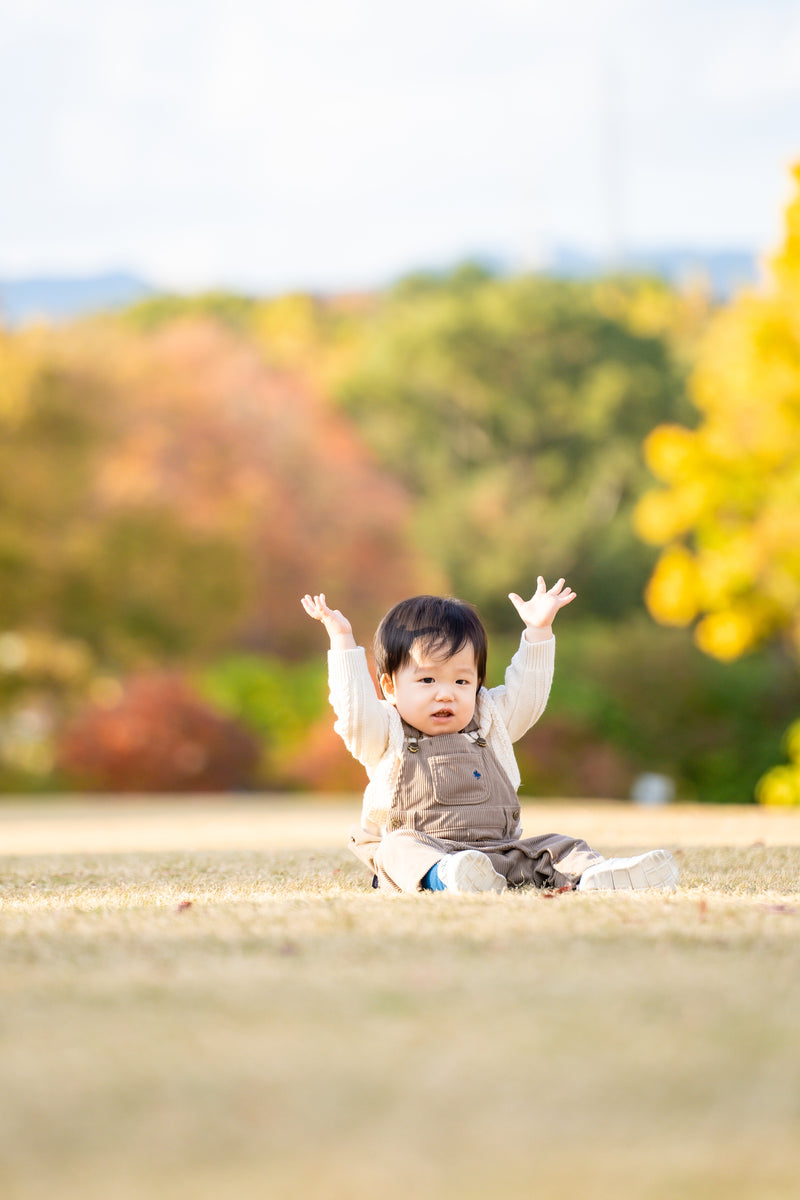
(477, 774)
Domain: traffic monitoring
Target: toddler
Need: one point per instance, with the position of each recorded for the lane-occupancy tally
(440, 810)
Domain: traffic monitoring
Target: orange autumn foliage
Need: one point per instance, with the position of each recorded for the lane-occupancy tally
(157, 737)
(252, 454)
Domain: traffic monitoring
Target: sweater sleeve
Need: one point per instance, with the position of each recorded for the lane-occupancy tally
(521, 700)
(362, 719)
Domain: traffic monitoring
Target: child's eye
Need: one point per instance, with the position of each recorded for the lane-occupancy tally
(427, 679)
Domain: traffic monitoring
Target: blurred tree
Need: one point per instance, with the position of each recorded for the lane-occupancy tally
(633, 698)
(316, 338)
(320, 339)
(228, 308)
(170, 494)
(280, 701)
(514, 410)
(254, 455)
(174, 478)
(114, 575)
(167, 495)
(19, 365)
(157, 736)
(729, 516)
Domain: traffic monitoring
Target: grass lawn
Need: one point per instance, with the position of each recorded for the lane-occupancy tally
(206, 999)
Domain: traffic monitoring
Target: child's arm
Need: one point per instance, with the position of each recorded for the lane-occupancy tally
(521, 700)
(362, 719)
(540, 611)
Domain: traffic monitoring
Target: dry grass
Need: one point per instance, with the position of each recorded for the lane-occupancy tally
(208, 1000)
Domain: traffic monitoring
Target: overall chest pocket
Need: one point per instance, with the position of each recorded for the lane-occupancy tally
(459, 778)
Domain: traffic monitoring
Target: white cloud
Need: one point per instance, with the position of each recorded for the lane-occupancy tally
(758, 62)
(258, 141)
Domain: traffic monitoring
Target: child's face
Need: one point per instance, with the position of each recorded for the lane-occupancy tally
(435, 694)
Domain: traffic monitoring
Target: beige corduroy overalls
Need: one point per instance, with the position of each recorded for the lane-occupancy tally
(452, 794)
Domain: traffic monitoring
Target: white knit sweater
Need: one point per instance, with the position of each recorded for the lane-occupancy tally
(373, 731)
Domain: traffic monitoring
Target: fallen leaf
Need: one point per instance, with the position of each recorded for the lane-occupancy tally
(548, 895)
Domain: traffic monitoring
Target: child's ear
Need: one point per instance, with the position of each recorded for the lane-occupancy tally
(387, 687)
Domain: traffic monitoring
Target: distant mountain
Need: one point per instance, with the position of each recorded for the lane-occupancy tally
(726, 270)
(61, 298)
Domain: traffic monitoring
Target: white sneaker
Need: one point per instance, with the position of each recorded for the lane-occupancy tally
(655, 869)
(469, 871)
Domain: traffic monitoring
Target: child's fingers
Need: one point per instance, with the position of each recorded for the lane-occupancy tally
(313, 606)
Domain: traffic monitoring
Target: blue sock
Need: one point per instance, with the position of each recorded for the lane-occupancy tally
(431, 882)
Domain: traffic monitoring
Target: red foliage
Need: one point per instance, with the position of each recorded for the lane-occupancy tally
(159, 737)
(566, 758)
(324, 763)
(255, 454)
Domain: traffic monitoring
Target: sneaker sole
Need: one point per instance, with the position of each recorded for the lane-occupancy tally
(655, 870)
(473, 872)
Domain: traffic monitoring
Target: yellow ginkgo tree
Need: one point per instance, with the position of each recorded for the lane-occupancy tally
(728, 515)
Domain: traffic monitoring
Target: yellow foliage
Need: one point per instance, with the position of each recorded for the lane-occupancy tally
(792, 741)
(287, 327)
(660, 519)
(37, 654)
(654, 519)
(653, 309)
(786, 263)
(779, 787)
(733, 483)
(18, 370)
(672, 593)
(726, 569)
(319, 339)
(668, 452)
(726, 635)
(733, 487)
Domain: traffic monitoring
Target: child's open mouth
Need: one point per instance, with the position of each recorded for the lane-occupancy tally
(444, 713)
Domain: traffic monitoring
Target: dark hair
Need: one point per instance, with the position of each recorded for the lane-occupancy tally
(443, 625)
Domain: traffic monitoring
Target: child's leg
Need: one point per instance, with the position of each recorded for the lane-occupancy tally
(464, 871)
(364, 845)
(550, 861)
(558, 861)
(403, 859)
(655, 869)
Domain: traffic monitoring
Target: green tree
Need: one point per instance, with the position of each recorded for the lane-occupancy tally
(71, 561)
(513, 410)
(169, 488)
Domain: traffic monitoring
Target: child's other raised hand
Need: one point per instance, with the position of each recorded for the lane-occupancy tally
(340, 631)
(539, 612)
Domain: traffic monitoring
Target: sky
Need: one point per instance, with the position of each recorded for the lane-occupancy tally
(266, 145)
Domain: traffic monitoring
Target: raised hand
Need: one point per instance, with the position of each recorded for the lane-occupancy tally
(340, 631)
(540, 611)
